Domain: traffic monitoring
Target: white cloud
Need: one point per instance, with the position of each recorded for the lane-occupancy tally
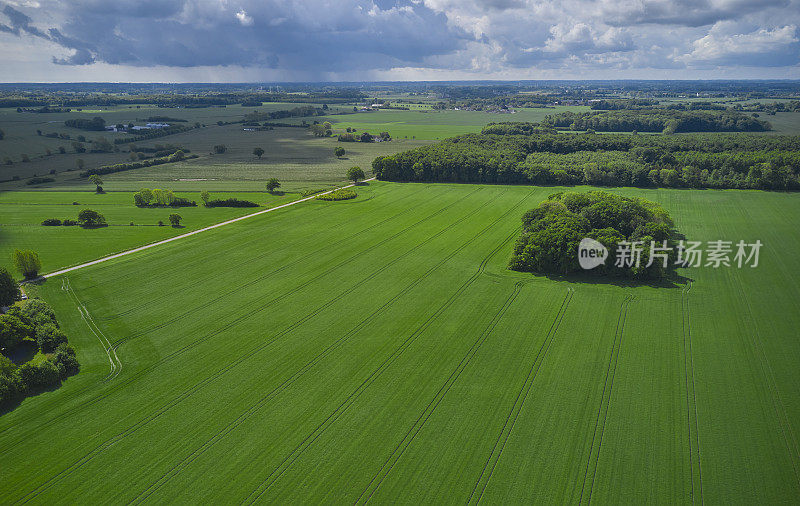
(766, 47)
(243, 18)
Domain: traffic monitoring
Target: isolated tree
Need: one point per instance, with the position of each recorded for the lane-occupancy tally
(338, 151)
(97, 181)
(258, 152)
(205, 196)
(175, 219)
(273, 184)
(355, 174)
(9, 289)
(90, 218)
(220, 148)
(27, 263)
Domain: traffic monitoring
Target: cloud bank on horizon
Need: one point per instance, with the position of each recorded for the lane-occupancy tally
(247, 40)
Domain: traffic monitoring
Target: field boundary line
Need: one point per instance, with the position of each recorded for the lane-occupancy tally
(519, 402)
(605, 400)
(351, 399)
(691, 396)
(189, 234)
(199, 385)
(423, 418)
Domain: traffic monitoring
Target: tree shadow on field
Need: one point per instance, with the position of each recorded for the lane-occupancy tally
(673, 281)
(12, 404)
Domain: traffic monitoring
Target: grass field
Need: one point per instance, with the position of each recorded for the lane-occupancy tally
(432, 125)
(378, 350)
(21, 215)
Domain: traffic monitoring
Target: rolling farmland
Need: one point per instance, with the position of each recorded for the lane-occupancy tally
(377, 350)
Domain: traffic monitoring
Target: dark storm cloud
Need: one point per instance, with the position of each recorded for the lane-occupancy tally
(321, 36)
(481, 36)
(19, 21)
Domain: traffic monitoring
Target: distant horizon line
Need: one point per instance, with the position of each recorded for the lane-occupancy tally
(510, 81)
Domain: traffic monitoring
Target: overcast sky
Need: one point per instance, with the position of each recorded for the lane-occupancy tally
(358, 40)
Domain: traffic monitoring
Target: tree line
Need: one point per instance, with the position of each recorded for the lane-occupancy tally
(120, 167)
(696, 161)
(657, 120)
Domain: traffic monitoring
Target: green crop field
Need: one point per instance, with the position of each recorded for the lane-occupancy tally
(21, 215)
(423, 124)
(377, 350)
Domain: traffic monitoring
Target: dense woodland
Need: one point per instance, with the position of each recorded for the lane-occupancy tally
(503, 153)
(658, 120)
(552, 232)
(33, 324)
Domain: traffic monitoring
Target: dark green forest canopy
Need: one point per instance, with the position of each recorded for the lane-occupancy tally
(552, 232)
(657, 120)
(529, 153)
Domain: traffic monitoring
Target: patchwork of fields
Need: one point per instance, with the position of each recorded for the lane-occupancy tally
(378, 350)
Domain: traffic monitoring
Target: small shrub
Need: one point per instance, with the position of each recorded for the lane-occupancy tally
(51, 222)
(160, 223)
(39, 180)
(69, 223)
(341, 194)
(231, 202)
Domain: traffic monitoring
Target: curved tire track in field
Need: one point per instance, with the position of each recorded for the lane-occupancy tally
(172, 472)
(151, 300)
(227, 326)
(419, 423)
(695, 462)
(113, 359)
(605, 401)
(198, 386)
(387, 362)
(519, 402)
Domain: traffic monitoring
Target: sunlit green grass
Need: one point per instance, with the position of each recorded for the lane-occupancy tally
(378, 350)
